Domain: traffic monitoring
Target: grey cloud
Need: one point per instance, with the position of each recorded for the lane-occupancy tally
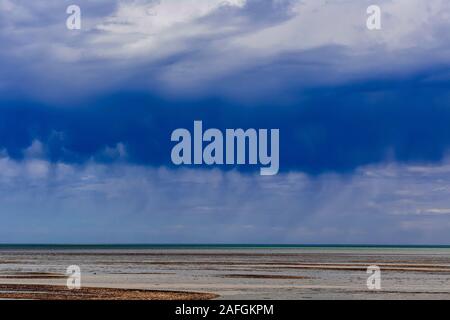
(97, 203)
(200, 47)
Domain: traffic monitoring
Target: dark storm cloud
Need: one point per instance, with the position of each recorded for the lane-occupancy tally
(324, 129)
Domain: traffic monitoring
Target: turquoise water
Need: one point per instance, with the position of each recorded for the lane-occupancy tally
(218, 246)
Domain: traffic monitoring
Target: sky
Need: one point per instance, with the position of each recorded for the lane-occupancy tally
(86, 117)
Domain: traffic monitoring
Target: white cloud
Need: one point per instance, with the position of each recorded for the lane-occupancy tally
(438, 211)
(129, 203)
(197, 46)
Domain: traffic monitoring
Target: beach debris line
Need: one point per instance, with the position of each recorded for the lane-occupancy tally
(53, 292)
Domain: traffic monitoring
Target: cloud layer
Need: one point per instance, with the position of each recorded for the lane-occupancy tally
(44, 202)
(343, 96)
(214, 47)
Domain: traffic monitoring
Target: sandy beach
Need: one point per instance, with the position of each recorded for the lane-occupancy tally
(225, 273)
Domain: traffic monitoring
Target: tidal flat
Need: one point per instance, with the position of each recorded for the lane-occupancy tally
(209, 272)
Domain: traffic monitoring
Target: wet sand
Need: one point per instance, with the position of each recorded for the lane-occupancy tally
(226, 273)
(32, 275)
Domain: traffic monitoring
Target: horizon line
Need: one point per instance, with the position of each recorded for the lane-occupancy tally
(226, 245)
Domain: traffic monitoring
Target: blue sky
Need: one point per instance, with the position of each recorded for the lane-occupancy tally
(86, 117)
